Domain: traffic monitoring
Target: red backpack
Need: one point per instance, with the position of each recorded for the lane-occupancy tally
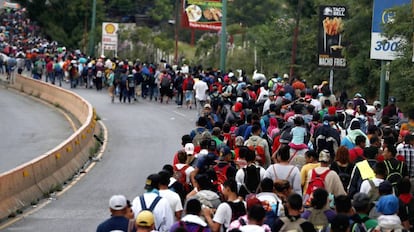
(221, 173)
(181, 177)
(316, 181)
(259, 151)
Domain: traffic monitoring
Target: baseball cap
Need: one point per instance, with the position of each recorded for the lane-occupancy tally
(117, 202)
(358, 95)
(152, 181)
(388, 204)
(189, 148)
(225, 150)
(324, 156)
(392, 100)
(145, 218)
(207, 106)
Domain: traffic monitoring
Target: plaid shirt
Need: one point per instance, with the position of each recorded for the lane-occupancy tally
(407, 151)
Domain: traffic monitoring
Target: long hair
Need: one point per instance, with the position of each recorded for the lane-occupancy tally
(342, 155)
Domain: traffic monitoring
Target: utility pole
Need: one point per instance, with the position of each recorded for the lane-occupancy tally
(177, 8)
(223, 47)
(92, 32)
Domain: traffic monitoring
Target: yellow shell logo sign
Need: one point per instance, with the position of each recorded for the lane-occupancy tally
(109, 28)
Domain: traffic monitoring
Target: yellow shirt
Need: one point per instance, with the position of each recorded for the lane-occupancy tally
(304, 174)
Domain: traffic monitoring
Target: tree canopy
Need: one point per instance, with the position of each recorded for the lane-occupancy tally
(261, 32)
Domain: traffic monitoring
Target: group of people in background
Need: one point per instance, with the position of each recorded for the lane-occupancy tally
(276, 155)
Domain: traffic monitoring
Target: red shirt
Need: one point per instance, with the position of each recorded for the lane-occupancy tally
(354, 153)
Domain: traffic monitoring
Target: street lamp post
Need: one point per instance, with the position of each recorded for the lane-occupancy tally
(223, 47)
(92, 32)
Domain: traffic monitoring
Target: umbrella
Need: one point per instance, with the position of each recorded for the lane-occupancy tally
(82, 60)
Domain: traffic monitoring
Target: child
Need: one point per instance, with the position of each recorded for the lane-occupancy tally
(298, 134)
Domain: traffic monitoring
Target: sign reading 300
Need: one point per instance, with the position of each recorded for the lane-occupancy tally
(383, 48)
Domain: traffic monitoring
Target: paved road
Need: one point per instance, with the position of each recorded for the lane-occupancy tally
(142, 138)
(23, 122)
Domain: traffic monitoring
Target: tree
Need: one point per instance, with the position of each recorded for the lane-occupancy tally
(402, 69)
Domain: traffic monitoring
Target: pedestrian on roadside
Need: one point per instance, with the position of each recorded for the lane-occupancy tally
(117, 221)
(152, 201)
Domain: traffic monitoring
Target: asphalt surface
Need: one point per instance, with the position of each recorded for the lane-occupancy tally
(143, 136)
(23, 123)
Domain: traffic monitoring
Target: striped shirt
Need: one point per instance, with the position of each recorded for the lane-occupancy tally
(407, 151)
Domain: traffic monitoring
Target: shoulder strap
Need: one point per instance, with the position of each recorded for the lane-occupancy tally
(293, 156)
(274, 171)
(154, 203)
(371, 183)
(290, 172)
(324, 174)
(143, 205)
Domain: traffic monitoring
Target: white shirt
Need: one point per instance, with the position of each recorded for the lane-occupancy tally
(200, 88)
(173, 198)
(317, 104)
(223, 215)
(163, 216)
(252, 228)
(366, 187)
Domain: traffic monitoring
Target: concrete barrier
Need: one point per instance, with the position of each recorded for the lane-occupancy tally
(26, 184)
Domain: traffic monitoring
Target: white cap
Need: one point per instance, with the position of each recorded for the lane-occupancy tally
(189, 148)
(117, 202)
(231, 74)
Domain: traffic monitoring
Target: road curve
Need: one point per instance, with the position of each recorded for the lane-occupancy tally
(143, 137)
(23, 124)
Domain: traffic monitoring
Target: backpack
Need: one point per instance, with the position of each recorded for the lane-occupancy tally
(294, 225)
(221, 173)
(359, 225)
(184, 226)
(181, 177)
(394, 174)
(237, 209)
(152, 206)
(166, 81)
(258, 149)
(373, 193)
(344, 176)
(57, 68)
(233, 93)
(326, 142)
(363, 124)
(316, 181)
(251, 181)
(190, 84)
(318, 218)
(409, 209)
(198, 137)
(124, 78)
(131, 82)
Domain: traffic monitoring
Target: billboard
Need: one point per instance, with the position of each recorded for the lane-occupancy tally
(202, 14)
(383, 48)
(330, 38)
(109, 36)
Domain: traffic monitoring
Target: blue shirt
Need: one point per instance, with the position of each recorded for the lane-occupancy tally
(114, 223)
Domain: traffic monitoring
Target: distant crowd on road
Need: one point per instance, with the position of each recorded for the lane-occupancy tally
(276, 155)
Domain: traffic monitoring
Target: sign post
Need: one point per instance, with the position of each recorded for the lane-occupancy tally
(330, 39)
(109, 37)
